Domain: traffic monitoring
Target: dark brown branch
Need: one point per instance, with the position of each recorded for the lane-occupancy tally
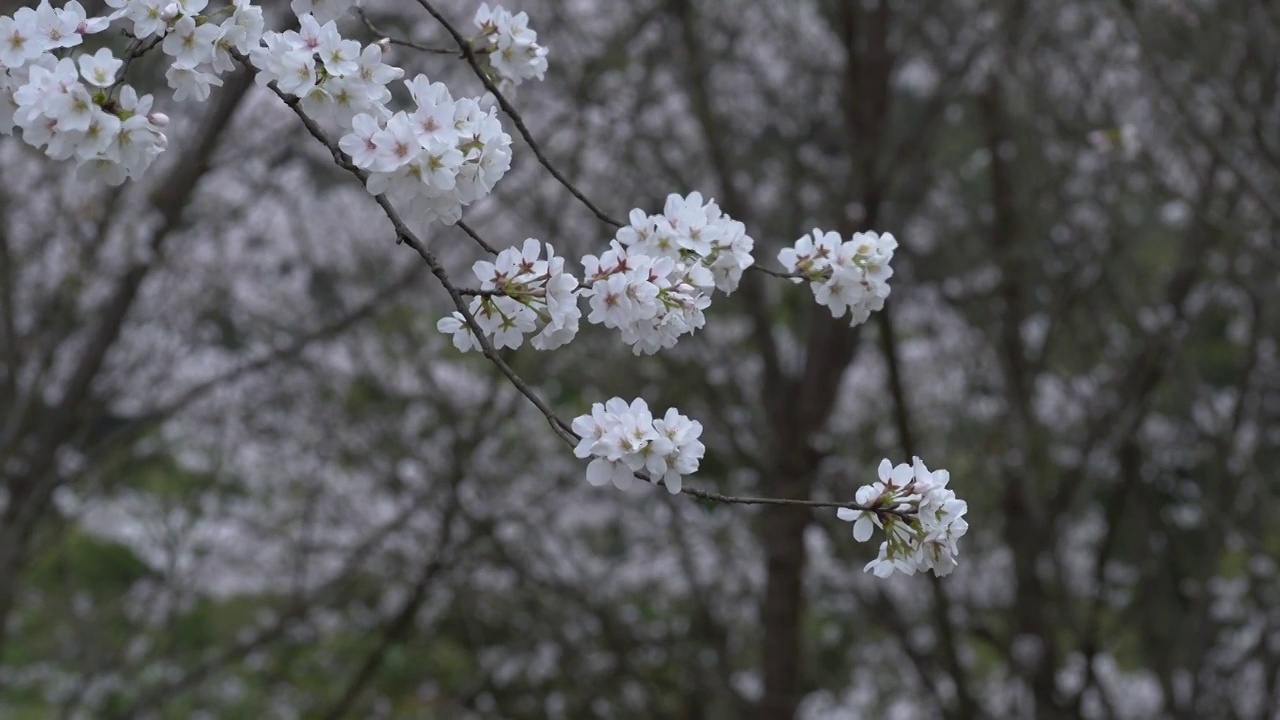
(475, 236)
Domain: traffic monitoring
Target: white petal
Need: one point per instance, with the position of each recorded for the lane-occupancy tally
(599, 472)
(848, 514)
(621, 476)
(863, 528)
(583, 449)
(902, 474)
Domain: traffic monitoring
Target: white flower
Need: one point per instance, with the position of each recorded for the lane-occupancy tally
(361, 143)
(19, 42)
(884, 564)
(148, 17)
(686, 450)
(513, 51)
(190, 44)
(667, 281)
(457, 326)
(864, 521)
(397, 144)
(339, 56)
(190, 82)
(922, 519)
(561, 306)
(59, 28)
(243, 30)
(435, 114)
(310, 35)
(100, 68)
(297, 72)
(624, 439)
(844, 276)
(590, 429)
(374, 74)
(523, 290)
(98, 136)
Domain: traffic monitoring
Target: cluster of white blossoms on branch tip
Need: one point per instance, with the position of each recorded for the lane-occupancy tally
(624, 439)
(74, 104)
(921, 517)
(850, 275)
(511, 48)
(433, 161)
(335, 77)
(652, 301)
(695, 233)
(520, 292)
(655, 281)
(74, 108)
(653, 284)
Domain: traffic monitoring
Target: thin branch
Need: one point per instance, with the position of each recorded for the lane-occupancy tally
(469, 54)
(777, 273)
(475, 236)
(364, 18)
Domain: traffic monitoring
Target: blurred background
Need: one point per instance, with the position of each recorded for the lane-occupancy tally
(244, 477)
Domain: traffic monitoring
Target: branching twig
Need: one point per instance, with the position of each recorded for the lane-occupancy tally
(469, 54)
(776, 273)
(364, 18)
(474, 236)
(559, 426)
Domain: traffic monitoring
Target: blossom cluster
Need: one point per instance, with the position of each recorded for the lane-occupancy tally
(335, 77)
(623, 439)
(651, 300)
(435, 160)
(850, 275)
(655, 281)
(511, 48)
(696, 233)
(653, 284)
(519, 293)
(921, 517)
(74, 109)
(431, 161)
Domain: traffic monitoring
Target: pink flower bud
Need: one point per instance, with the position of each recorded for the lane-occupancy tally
(159, 119)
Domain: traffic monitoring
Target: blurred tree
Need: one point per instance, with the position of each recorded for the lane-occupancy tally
(245, 477)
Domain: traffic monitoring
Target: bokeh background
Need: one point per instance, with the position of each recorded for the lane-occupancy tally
(244, 477)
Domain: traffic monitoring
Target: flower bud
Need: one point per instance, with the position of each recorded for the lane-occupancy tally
(159, 119)
(170, 12)
(384, 44)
